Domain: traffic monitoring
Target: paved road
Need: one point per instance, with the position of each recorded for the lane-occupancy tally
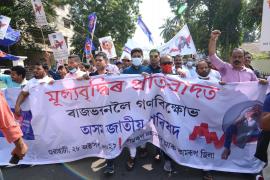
(92, 168)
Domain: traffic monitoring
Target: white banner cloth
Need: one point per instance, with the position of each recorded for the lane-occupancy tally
(191, 121)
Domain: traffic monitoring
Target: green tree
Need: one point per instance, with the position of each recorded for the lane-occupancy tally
(198, 17)
(115, 18)
(252, 16)
(228, 21)
(237, 19)
(23, 19)
(170, 28)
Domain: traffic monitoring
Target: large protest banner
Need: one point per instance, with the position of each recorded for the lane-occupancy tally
(265, 35)
(191, 121)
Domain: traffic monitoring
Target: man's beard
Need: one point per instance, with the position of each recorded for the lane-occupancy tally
(38, 76)
(101, 68)
(204, 74)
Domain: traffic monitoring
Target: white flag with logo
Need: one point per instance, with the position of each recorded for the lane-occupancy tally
(39, 13)
(181, 43)
(59, 47)
(265, 35)
(4, 23)
(107, 46)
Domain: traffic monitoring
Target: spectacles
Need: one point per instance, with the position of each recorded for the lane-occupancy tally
(127, 60)
(166, 63)
(153, 56)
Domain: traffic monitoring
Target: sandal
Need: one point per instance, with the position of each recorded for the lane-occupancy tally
(130, 163)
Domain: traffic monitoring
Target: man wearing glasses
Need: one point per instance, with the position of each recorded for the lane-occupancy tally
(166, 64)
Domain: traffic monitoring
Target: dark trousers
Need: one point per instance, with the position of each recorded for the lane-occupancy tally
(110, 162)
(1, 175)
(262, 146)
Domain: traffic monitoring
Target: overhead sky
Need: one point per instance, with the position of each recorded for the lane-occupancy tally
(154, 13)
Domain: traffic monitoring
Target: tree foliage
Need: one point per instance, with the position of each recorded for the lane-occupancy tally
(23, 19)
(238, 20)
(252, 16)
(115, 18)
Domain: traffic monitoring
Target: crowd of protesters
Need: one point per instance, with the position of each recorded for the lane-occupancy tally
(210, 68)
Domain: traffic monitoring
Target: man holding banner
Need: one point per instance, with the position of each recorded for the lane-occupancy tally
(236, 70)
(203, 71)
(135, 68)
(233, 72)
(40, 77)
(101, 61)
(264, 137)
(166, 67)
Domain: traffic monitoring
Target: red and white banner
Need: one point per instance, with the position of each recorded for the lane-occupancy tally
(39, 13)
(180, 44)
(59, 46)
(265, 34)
(107, 46)
(4, 23)
(192, 121)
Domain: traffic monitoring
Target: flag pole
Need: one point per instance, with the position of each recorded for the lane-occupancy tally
(93, 30)
(44, 45)
(43, 38)
(83, 58)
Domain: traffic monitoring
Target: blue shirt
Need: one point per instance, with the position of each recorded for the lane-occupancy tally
(157, 70)
(266, 104)
(8, 81)
(140, 70)
(54, 74)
